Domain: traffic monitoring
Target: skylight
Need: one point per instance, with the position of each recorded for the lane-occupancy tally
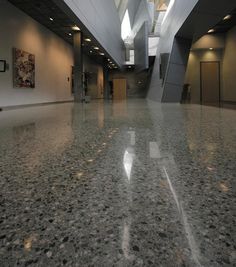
(126, 26)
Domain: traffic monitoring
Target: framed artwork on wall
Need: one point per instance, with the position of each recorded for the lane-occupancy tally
(23, 69)
(3, 65)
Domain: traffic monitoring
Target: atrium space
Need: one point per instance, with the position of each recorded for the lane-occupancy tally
(117, 133)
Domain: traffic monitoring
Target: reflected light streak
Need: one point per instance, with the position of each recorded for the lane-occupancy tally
(154, 150)
(79, 174)
(126, 241)
(128, 161)
(210, 168)
(28, 242)
(224, 187)
(132, 137)
(191, 240)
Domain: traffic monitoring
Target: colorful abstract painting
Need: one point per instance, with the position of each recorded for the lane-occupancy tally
(24, 69)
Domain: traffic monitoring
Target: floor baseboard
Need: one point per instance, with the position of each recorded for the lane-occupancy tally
(34, 105)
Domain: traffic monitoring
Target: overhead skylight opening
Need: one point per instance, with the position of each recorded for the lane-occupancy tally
(126, 26)
(162, 6)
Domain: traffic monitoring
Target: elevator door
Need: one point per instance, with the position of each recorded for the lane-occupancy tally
(210, 83)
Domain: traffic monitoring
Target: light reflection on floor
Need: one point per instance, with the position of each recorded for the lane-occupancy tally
(131, 183)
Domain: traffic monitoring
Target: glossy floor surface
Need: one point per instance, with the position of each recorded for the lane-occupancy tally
(125, 184)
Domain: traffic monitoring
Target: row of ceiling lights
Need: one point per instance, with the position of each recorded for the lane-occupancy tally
(111, 65)
(228, 17)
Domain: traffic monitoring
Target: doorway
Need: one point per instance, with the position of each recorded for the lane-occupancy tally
(210, 83)
(119, 89)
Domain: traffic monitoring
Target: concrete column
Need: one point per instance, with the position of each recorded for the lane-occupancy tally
(78, 66)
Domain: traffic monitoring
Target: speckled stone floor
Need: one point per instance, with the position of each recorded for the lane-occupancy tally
(125, 184)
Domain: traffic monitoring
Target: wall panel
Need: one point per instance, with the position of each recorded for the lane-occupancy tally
(54, 59)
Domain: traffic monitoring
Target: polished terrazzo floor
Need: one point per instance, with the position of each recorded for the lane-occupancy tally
(125, 184)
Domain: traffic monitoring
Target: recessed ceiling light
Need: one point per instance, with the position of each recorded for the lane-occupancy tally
(211, 30)
(75, 28)
(227, 17)
(87, 40)
(51, 19)
(96, 48)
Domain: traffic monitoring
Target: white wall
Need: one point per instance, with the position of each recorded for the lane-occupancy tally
(53, 56)
(229, 66)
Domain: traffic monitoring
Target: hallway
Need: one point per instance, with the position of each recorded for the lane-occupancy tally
(131, 183)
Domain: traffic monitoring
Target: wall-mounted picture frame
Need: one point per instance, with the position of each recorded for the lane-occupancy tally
(23, 69)
(3, 65)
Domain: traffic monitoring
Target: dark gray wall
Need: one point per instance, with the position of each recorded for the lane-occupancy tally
(133, 6)
(174, 80)
(205, 15)
(142, 14)
(173, 22)
(141, 48)
(101, 19)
